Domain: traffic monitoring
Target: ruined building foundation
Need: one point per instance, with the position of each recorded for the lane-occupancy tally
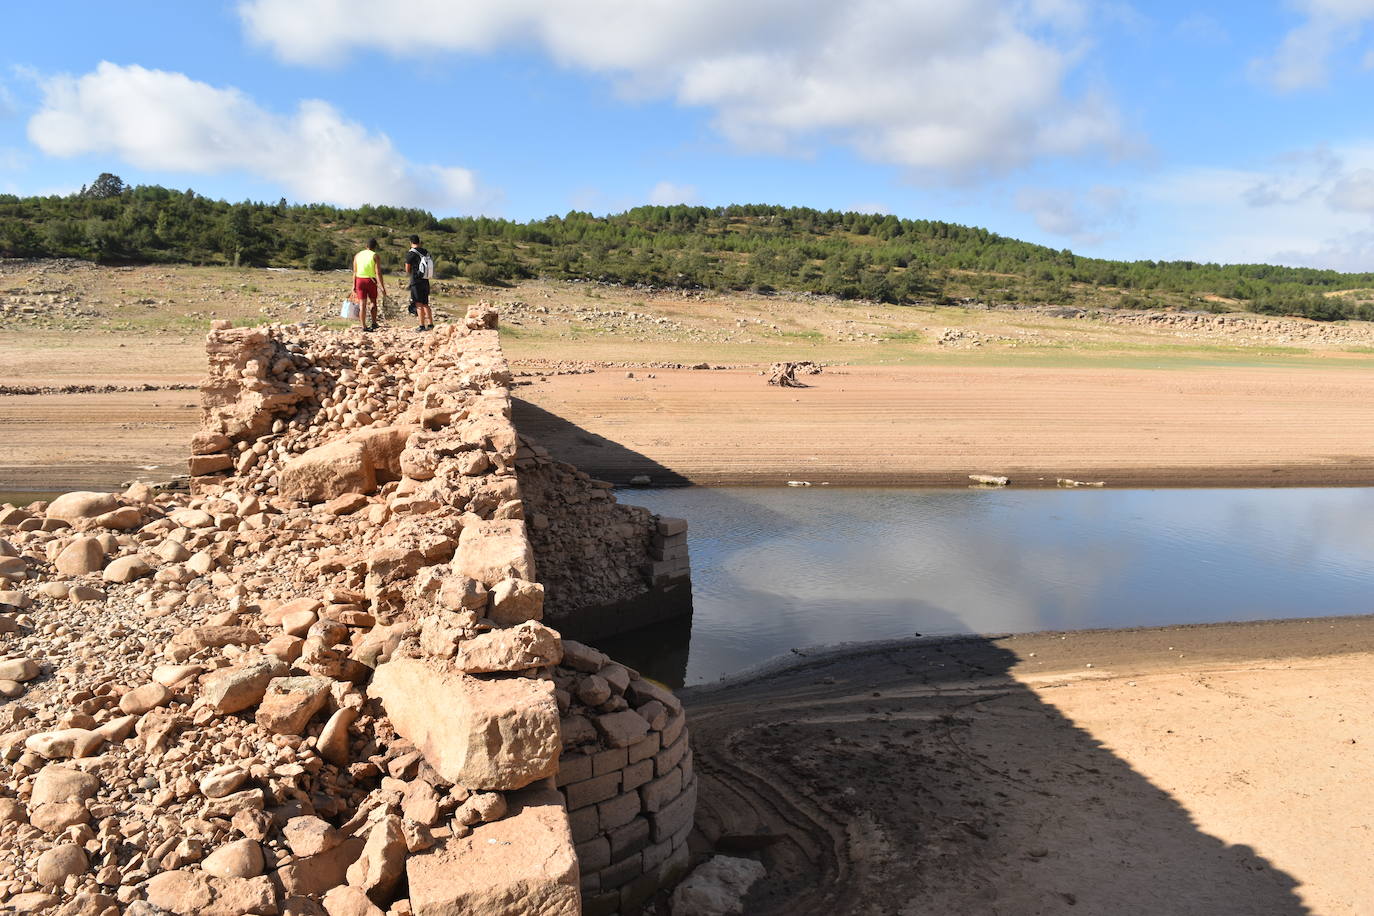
(353, 690)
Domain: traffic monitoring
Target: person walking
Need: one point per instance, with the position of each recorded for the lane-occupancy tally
(367, 277)
(420, 267)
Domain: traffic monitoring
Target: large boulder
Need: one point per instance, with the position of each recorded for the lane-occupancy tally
(491, 551)
(291, 702)
(529, 645)
(328, 471)
(195, 893)
(382, 863)
(312, 875)
(487, 735)
(383, 446)
(241, 858)
(60, 863)
(79, 504)
(127, 569)
(83, 555)
(204, 443)
(478, 873)
(515, 601)
(231, 690)
(718, 887)
(125, 518)
(58, 784)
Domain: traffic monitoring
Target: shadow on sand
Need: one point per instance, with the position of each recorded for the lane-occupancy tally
(921, 778)
(594, 454)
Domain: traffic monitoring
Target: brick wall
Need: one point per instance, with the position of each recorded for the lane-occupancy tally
(626, 774)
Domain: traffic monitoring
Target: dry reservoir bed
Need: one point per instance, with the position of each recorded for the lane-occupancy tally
(855, 425)
(936, 425)
(1215, 770)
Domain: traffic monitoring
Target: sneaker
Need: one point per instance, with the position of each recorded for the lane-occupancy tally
(420, 328)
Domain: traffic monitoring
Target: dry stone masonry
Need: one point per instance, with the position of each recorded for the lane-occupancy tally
(605, 568)
(626, 773)
(323, 682)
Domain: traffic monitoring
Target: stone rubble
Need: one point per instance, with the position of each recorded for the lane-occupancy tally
(317, 685)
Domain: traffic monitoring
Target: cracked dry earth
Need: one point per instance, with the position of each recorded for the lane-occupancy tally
(1002, 776)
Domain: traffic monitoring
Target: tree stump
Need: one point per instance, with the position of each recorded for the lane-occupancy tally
(784, 375)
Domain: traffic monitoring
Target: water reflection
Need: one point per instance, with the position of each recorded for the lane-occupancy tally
(776, 569)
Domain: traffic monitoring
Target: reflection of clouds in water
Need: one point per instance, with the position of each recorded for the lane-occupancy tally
(778, 569)
(981, 577)
(1292, 527)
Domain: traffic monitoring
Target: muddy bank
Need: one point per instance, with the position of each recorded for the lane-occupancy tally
(935, 425)
(1210, 769)
(865, 426)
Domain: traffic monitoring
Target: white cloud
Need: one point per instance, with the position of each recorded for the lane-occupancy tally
(1311, 208)
(1302, 60)
(1084, 216)
(164, 121)
(1353, 253)
(665, 194)
(1353, 192)
(947, 88)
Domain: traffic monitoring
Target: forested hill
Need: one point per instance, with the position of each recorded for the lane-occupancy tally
(745, 247)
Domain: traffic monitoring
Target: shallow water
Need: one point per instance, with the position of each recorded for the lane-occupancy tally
(776, 569)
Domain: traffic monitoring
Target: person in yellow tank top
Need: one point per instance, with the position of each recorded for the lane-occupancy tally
(367, 277)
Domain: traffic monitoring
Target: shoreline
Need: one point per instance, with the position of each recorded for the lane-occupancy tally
(1188, 478)
(932, 426)
(919, 426)
(1018, 774)
(1059, 651)
(92, 476)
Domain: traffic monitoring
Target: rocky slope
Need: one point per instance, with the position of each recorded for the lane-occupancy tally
(320, 684)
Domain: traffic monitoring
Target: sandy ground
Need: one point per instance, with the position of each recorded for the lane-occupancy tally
(867, 425)
(916, 395)
(1198, 770)
(1231, 426)
(94, 441)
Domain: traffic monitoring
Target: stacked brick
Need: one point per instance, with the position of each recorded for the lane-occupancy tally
(669, 563)
(626, 774)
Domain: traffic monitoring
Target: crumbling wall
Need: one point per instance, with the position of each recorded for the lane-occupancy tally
(598, 560)
(626, 774)
(272, 396)
(324, 683)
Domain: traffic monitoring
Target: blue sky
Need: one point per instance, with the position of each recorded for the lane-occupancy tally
(1223, 131)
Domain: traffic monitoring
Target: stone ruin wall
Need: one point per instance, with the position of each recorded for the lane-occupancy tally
(356, 692)
(605, 567)
(625, 772)
(630, 793)
(273, 397)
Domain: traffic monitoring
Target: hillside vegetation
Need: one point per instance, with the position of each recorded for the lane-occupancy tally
(760, 248)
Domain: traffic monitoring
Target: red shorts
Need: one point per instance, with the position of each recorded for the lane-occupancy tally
(365, 290)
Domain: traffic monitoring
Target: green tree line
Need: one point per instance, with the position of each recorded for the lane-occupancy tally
(754, 247)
